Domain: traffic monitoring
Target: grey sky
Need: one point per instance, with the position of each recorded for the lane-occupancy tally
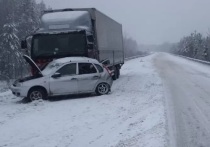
(150, 21)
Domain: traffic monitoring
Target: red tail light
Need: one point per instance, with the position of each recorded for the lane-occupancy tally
(109, 71)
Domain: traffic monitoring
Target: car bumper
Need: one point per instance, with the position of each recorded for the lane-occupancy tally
(110, 81)
(19, 91)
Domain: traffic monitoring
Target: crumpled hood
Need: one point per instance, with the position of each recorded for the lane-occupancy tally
(29, 78)
(32, 64)
(26, 79)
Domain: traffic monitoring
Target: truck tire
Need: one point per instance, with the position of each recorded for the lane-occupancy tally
(118, 73)
(115, 76)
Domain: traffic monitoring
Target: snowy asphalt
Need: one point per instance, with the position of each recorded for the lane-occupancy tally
(187, 92)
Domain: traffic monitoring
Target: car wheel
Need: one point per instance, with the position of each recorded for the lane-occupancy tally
(102, 89)
(36, 94)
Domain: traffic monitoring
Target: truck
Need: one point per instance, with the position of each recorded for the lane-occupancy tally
(83, 32)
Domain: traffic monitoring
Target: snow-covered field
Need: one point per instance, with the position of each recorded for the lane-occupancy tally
(133, 115)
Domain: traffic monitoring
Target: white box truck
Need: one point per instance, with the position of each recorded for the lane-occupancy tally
(77, 32)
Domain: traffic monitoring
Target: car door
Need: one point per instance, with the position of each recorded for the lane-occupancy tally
(88, 77)
(66, 83)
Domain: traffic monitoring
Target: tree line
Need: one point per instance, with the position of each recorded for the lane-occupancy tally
(132, 48)
(18, 18)
(194, 45)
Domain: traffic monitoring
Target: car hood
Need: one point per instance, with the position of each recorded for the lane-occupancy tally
(25, 79)
(33, 64)
(29, 78)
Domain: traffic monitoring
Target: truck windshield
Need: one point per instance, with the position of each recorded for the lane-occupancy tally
(58, 45)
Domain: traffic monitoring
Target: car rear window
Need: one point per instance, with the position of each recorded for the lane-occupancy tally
(86, 68)
(100, 69)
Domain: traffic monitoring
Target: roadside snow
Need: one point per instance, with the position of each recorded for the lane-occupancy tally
(133, 115)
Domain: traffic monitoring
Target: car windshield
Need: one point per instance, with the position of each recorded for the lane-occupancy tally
(52, 66)
(58, 45)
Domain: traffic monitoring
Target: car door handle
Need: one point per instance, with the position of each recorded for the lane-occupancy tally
(96, 77)
(73, 79)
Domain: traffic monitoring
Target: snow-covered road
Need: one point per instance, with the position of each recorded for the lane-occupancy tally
(133, 115)
(187, 92)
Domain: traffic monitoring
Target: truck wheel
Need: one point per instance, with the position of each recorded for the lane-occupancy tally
(102, 89)
(118, 73)
(36, 94)
(115, 76)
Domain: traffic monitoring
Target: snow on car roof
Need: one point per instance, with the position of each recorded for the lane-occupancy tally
(74, 59)
(58, 62)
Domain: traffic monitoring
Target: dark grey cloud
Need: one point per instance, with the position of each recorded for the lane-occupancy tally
(150, 21)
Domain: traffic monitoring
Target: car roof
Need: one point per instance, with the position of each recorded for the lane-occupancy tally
(75, 59)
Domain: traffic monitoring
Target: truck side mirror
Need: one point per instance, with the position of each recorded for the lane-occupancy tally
(24, 44)
(90, 38)
(90, 46)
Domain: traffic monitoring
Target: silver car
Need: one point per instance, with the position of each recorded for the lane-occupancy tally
(65, 76)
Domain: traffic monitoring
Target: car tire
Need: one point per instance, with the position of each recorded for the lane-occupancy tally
(36, 94)
(102, 89)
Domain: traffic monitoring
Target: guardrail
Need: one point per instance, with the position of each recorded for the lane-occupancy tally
(129, 58)
(193, 59)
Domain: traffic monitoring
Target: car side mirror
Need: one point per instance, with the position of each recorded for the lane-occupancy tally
(24, 44)
(56, 75)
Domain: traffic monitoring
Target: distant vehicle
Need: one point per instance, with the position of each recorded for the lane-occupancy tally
(65, 76)
(77, 32)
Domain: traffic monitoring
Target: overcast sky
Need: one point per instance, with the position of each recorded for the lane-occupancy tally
(150, 21)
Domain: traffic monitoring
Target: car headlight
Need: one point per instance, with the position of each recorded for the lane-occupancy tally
(17, 84)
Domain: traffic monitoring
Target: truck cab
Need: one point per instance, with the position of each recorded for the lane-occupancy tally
(62, 34)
